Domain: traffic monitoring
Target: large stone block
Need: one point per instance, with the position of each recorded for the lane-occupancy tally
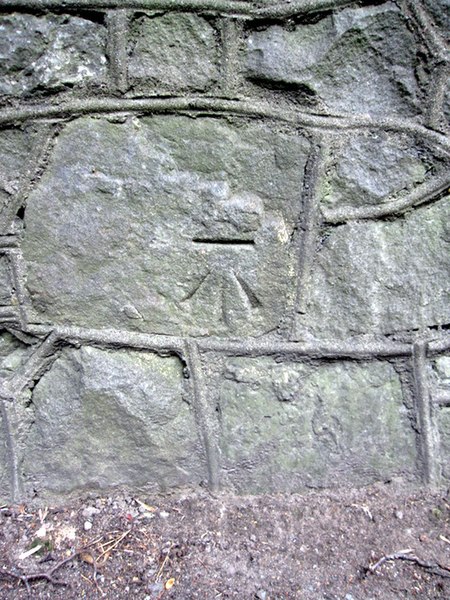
(166, 224)
(380, 277)
(372, 167)
(106, 418)
(175, 51)
(287, 426)
(355, 60)
(50, 53)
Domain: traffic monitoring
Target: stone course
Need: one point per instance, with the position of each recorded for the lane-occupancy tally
(224, 245)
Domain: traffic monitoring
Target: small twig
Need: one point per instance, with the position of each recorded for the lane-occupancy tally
(47, 575)
(166, 558)
(114, 544)
(434, 568)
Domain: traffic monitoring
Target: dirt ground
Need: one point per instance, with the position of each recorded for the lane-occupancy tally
(321, 546)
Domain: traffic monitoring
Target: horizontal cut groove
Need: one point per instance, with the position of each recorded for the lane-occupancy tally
(218, 105)
(235, 7)
(438, 346)
(426, 192)
(223, 241)
(8, 241)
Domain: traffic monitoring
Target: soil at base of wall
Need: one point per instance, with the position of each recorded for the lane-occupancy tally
(321, 545)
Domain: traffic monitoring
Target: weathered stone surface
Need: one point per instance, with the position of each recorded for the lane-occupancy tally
(13, 353)
(287, 426)
(106, 418)
(50, 52)
(5, 490)
(356, 60)
(138, 231)
(18, 148)
(444, 434)
(175, 51)
(380, 277)
(372, 167)
(5, 282)
(439, 10)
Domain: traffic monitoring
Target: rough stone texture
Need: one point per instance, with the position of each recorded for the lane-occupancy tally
(18, 147)
(287, 426)
(175, 51)
(355, 60)
(367, 279)
(13, 353)
(373, 167)
(439, 10)
(120, 235)
(105, 418)
(444, 433)
(5, 491)
(5, 282)
(49, 53)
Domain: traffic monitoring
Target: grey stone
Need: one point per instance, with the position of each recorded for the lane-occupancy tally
(108, 418)
(439, 10)
(380, 277)
(444, 434)
(13, 354)
(49, 53)
(5, 476)
(18, 148)
(373, 167)
(139, 232)
(355, 60)
(175, 51)
(5, 282)
(343, 423)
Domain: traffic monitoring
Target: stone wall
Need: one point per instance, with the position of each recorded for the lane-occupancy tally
(224, 245)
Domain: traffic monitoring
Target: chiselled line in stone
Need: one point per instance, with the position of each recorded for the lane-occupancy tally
(35, 366)
(12, 459)
(238, 7)
(117, 48)
(308, 229)
(433, 189)
(423, 410)
(203, 410)
(7, 242)
(256, 108)
(429, 33)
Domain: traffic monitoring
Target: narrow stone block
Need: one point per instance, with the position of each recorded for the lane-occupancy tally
(173, 52)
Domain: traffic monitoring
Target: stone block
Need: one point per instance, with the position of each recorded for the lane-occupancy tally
(359, 60)
(288, 426)
(50, 53)
(166, 225)
(105, 418)
(380, 277)
(173, 52)
(373, 167)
